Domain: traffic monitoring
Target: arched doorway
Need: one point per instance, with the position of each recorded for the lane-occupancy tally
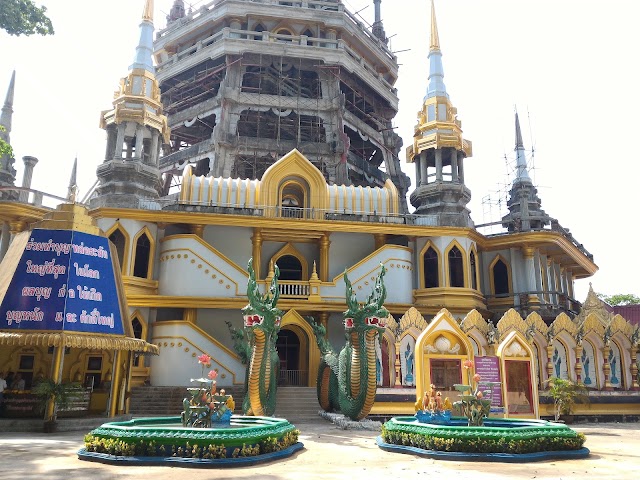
(291, 373)
(290, 268)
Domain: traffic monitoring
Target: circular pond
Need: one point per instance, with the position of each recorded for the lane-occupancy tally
(163, 440)
(505, 440)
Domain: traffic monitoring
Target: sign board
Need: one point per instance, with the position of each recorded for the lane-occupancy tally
(489, 370)
(65, 280)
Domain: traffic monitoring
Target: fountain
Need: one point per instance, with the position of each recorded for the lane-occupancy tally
(434, 433)
(207, 434)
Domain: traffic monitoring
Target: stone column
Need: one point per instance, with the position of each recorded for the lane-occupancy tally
(423, 180)
(140, 142)
(235, 24)
(454, 166)
(154, 150)
(418, 170)
(111, 142)
(4, 240)
(438, 153)
(460, 166)
(29, 164)
(117, 152)
(324, 257)
(256, 242)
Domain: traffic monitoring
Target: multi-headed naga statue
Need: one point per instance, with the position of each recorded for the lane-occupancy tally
(347, 381)
(256, 345)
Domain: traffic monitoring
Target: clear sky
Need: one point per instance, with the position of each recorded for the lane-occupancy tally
(570, 67)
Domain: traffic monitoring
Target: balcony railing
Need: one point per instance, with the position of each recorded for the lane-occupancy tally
(293, 378)
(293, 289)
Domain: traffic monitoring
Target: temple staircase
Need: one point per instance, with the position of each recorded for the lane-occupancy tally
(298, 404)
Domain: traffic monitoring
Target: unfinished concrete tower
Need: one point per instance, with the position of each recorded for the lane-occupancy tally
(7, 171)
(136, 129)
(438, 151)
(245, 82)
(525, 210)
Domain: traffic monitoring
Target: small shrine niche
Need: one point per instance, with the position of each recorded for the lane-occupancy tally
(519, 388)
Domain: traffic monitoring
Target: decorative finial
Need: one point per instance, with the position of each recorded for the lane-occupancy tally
(73, 184)
(435, 40)
(147, 14)
(519, 142)
(314, 273)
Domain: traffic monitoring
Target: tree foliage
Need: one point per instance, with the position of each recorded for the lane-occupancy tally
(620, 299)
(5, 148)
(24, 17)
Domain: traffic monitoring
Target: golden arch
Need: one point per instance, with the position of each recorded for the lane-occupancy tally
(293, 165)
(152, 250)
(491, 276)
(465, 264)
(293, 321)
(290, 250)
(523, 353)
(442, 325)
(124, 261)
(424, 249)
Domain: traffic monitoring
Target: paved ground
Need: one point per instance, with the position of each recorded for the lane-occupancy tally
(329, 453)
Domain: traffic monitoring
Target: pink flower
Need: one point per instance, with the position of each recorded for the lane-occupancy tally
(212, 375)
(476, 377)
(479, 395)
(467, 364)
(204, 359)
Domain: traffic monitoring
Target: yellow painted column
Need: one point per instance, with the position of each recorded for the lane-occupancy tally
(56, 376)
(115, 384)
(197, 230)
(578, 366)
(324, 257)
(549, 362)
(606, 368)
(380, 240)
(127, 397)
(190, 315)
(256, 241)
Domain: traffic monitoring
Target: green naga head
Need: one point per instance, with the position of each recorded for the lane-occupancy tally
(262, 310)
(372, 313)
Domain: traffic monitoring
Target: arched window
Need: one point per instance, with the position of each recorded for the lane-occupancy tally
(143, 254)
(283, 33)
(500, 278)
(120, 242)
(456, 271)
(308, 33)
(292, 201)
(290, 268)
(474, 271)
(258, 28)
(431, 277)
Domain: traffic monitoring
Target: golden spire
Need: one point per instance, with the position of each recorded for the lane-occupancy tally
(435, 41)
(148, 11)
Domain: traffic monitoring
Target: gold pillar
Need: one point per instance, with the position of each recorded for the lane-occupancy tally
(56, 376)
(398, 383)
(578, 366)
(323, 317)
(197, 230)
(606, 368)
(256, 250)
(15, 227)
(127, 396)
(115, 384)
(549, 362)
(324, 257)
(380, 240)
(190, 315)
(634, 368)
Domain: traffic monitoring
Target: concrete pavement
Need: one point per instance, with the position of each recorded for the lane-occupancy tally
(329, 453)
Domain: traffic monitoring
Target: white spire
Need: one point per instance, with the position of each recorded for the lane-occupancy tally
(436, 86)
(144, 50)
(522, 175)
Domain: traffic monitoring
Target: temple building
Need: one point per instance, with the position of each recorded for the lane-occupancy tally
(262, 129)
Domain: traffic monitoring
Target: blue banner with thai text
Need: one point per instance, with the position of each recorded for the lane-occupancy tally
(64, 281)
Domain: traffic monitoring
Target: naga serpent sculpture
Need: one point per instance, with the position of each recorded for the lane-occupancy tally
(256, 346)
(347, 381)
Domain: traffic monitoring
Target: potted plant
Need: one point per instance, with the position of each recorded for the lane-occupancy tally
(62, 394)
(566, 394)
